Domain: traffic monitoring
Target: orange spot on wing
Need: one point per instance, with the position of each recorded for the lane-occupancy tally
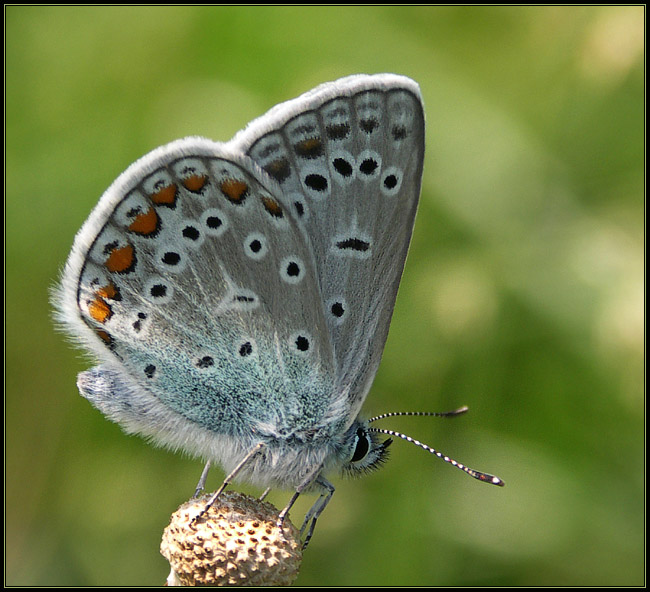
(310, 148)
(145, 223)
(121, 259)
(105, 336)
(272, 206)
(279, 169)
(234, 190)
(107, 291)
(165, 196)
(99, 310)
(195, 183)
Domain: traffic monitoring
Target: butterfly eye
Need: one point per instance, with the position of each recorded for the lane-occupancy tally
(362, 447)
(368, 452)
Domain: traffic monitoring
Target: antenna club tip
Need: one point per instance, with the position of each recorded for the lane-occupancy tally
(487, 478)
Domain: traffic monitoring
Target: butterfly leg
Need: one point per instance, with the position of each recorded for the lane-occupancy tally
(266, 492)
(316, 510)
(200, 486)
(231, 476)
(304, 485)
(282, 515)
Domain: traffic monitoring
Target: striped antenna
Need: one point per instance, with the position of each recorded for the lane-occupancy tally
(460, 411)
(485, 477)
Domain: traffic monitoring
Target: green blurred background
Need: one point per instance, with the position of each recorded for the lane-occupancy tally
(523, 295)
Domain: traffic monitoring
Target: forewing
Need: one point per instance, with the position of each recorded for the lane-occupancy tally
(193, 277)
(348, 157)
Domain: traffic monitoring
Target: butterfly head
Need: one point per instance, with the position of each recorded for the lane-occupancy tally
(363, 450)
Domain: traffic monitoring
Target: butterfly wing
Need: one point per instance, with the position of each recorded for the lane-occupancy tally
(348, 157)
(231, 301)
(195, 286)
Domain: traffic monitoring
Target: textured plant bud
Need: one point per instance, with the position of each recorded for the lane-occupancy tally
(236, 542)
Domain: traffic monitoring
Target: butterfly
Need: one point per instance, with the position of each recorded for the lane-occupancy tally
(238, 295)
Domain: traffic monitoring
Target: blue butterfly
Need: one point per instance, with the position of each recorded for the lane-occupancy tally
(238, 295)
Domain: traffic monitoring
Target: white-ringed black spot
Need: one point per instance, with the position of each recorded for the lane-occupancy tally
(354, 244)
(337, 309)
(205, 362)
(358, 246)
(292, 270)
(368, 166)
(171, 258)
(158, 290)
(191, 233)
(213, 222)
(390, 182)
(246, 349)
(316, 182)
(255, 245)
(241, 299)
(342, 167)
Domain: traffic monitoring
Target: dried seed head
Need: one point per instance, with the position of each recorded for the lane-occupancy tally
(236, 542)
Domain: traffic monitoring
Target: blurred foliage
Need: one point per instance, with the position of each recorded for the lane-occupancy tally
(523, 296)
